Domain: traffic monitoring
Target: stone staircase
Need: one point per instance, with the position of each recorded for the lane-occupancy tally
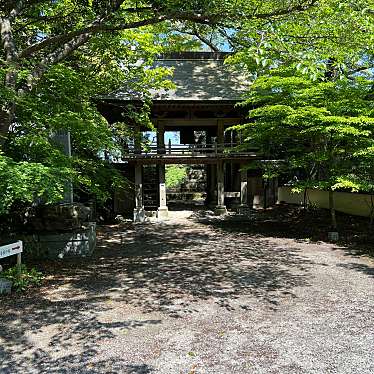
(194, 185)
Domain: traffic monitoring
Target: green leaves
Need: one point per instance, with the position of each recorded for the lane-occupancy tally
(329, 35)
(22, 278)
(28, 182)
(175, 175)
(292, 47)
(323, 131)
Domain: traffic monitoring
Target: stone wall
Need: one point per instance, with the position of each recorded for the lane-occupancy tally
(78, 243)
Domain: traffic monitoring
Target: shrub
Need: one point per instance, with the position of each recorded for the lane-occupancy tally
(175, 175)
(22, 278)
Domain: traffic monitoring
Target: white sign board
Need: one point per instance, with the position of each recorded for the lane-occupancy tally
(11, 249)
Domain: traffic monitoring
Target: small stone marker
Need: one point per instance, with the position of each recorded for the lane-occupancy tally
(5, 286)
(333, 236)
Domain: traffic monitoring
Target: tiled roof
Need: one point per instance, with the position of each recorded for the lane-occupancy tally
(198, 76)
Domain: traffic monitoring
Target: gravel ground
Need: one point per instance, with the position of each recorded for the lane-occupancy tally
(196, 296)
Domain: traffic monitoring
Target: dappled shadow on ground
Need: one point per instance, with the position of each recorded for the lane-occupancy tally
(287, 221)
(41, 362)
(161, 270)
(168, 269)
(291, 222)
(362, 268)
(72, 330)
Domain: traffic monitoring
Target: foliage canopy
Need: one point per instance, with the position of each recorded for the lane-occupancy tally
(57, 55)
(323, 131)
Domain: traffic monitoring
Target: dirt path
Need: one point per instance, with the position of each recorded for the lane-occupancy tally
(196, 296)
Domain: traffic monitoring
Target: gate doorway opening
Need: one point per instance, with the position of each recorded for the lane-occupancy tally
(186, 186)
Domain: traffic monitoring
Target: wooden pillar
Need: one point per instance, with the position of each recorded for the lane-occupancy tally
(162, 212)
(220, 131)
(211, 185)
(187, 135)
(221, 207)
(160, 137)
(210, 136)
(139, 213)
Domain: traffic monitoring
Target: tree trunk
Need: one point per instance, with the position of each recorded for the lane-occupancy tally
(4, 126)
(332, 210)
(7, 110)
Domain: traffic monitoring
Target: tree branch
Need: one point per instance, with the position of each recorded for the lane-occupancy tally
(301, 7)
(214, 19)
(56, 57)
(69, 47)
(94, 28)
(202, 38)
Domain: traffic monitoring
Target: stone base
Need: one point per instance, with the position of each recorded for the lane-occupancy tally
(80, 243)
(139, 215)
(258, 202)
(220, 210)
(163, 213)
(58, 218)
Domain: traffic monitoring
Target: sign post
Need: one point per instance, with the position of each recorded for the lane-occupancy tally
(12, 250)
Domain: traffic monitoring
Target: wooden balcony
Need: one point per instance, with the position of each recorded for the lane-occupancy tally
(188, 154)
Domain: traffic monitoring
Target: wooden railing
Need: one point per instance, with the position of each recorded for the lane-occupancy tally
(187, 149)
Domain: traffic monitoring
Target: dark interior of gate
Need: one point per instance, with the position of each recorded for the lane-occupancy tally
(191, 127)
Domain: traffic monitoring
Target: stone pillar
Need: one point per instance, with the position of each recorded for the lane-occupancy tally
(62, 137)
(221, 207)
(243, 192)
(275, 186)
(162, 212)
(243, 188)
(139, 212)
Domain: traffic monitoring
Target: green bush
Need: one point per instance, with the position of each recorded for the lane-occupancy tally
(22, 278)
(28, 182)
(175, 175)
